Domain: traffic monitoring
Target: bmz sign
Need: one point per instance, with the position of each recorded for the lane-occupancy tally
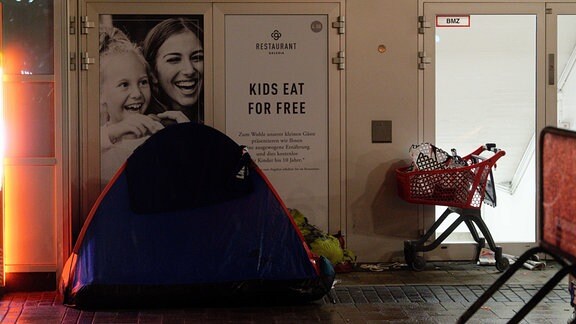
(453, 21)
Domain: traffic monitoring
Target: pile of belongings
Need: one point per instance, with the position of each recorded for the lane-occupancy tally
(332, 247)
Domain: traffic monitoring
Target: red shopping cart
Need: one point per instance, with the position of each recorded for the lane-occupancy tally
(437, 177)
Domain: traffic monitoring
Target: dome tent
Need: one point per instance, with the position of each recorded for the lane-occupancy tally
(191, 219)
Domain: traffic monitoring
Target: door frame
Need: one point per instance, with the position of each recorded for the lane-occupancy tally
(426, 102)
(553, 9)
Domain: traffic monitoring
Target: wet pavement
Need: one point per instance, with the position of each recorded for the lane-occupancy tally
(439, 294)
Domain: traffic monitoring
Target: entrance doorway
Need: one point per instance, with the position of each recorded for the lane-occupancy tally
(480, 67)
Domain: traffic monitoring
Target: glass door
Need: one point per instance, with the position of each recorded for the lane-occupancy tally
(561, 78)
(480, 64)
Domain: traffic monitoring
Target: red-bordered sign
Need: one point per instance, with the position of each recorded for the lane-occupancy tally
(453, 21)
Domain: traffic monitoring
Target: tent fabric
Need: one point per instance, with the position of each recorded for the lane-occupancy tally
(237, 244)
(203, 172)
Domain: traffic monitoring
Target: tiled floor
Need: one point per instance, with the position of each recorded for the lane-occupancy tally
(439, 294)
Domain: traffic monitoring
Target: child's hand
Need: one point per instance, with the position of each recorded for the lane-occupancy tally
(174, 115)
(133, 126)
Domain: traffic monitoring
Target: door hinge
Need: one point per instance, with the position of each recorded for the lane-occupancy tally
(551, 69)
(340, 60)
(86, 25)
(72, 25)
(422, 24)
(548, 11)
(72, 61)
(86, 61)
(423, 60)
(340, 24)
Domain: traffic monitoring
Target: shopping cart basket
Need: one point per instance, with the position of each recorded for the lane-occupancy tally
(460, 183)
(557, 218)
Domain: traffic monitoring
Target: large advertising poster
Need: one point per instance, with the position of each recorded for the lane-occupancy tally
(151, 76)
(277, 103)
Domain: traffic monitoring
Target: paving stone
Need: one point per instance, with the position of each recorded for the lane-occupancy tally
(440, 295)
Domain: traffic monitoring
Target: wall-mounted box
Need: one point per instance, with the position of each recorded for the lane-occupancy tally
(381, 131)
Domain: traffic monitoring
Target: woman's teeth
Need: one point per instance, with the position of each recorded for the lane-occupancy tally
(188, 84)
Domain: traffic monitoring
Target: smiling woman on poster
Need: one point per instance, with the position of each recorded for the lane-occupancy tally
(174, 49)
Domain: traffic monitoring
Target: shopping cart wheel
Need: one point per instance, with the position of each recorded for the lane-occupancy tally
(502, 264)
(418, 263)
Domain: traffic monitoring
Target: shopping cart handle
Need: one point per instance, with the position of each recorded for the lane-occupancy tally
(491, 147)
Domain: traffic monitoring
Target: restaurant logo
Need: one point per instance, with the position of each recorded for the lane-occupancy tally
(276, 35)
(275, 47)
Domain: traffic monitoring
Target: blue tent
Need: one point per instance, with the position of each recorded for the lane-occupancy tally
(191, 219)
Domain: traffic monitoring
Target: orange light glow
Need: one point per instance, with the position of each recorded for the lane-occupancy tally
(2, 143)
(2, 137)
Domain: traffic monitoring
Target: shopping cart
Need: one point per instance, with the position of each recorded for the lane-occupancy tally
(437, 177)
(557, 219)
